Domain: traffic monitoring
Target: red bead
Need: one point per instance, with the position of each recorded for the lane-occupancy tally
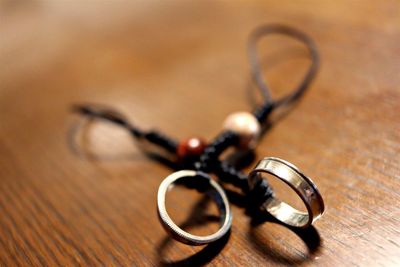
(191, 147)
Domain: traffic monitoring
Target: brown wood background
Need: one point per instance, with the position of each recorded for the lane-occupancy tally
(68, 198)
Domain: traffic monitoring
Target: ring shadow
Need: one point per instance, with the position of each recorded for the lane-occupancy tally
(309, 235)
(210, 251)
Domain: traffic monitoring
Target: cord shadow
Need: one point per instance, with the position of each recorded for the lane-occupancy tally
(272, 60)
(243, 159)
(251, 88)
(79, 142)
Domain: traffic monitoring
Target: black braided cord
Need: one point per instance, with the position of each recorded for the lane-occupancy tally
(209, 161)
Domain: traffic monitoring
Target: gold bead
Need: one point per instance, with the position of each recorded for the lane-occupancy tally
(246, 126)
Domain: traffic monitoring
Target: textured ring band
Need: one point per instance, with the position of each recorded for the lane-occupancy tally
(300, 183)
(204, 183)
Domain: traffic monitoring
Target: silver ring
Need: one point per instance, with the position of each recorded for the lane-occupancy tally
(301, 184)
(205, 184)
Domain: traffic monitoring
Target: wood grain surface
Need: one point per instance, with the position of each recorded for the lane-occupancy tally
(75, 193)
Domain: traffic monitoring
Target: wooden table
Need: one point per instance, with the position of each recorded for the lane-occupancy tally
(73, 194)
